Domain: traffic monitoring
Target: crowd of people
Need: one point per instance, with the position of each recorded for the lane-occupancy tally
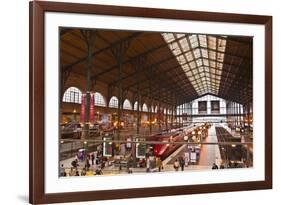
(94, 163)
(229, 164)
(84, 165)
(180, 163)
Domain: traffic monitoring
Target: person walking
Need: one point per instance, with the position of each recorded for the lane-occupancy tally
(186, 158)
(215, 166)
(72, 172)
(87, 164)
(62, 171)
(182, 163)
(130, 165)
(159, 164)
(147, 164)
(83, 172)
(74, 163)
(176, 165)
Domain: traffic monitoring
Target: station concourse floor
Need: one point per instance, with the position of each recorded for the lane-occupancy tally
(210, 153)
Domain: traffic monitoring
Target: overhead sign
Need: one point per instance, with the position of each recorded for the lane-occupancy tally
(140, 148)
(107, 147)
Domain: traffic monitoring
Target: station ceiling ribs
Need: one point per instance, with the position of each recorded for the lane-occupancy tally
(185, 66)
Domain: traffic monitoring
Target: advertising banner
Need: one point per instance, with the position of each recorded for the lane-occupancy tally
(92, 107)
(83, 108)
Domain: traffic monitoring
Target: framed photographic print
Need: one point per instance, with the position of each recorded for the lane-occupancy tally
(138, 102)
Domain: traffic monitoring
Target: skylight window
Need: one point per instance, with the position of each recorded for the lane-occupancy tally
(201, 58)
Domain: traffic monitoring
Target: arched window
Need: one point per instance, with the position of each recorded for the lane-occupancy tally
(113, 102)
(136, 106)
(156, 109)
(144, 108)
(72, 95)
(99, 100)
(165, 111)
(127, 105)
(152, 110)
(169, 111)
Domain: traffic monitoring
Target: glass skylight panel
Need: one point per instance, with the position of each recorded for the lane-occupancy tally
(189, 56)
(184, 44)
(195, 71)
(181, 59)
(189, 73)
(193, 41)
(219, 65)
(201, 69)
(185, 67)
(220, 57)
(203, 40)
(175, 48)
(205, 62)
(199, 62)
(179, 35)
(197, 53)
(192, 65)
(168, 37)
(212, 55)
(221, 45)
(212, 42)
(191, 78)
(212, 64)
(204, 53)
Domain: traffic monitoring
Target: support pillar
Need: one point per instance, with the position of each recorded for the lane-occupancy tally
(172, 117)
(118, 51)
(89, 37)
(166, 118)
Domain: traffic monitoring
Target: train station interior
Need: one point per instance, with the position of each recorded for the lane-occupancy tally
(137, 102)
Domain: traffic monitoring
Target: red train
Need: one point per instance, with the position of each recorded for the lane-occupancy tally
(166, 149)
